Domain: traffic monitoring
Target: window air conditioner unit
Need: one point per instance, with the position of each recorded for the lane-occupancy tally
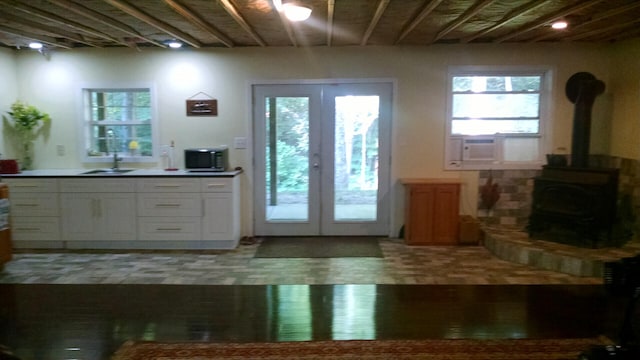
(479, 149)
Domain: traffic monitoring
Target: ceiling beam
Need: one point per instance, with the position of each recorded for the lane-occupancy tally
(382, 6)
(235, 14)
(426, 10)
(162, 26)
(568, 10)
(96, 16)
(593, 20)
(331, 7)
(601, 30)
(471, 12)
(510, 16)
(33, 11)
(57, 32)
(37, 37)
(199, 22)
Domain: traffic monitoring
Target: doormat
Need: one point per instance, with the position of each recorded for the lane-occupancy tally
(436, 349)
(319, 247)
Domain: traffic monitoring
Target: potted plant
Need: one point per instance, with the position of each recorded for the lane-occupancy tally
(26, 122)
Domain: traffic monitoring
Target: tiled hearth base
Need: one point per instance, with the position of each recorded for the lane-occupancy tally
(514, 245)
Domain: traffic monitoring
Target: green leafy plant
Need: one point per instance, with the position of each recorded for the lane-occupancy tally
(26, 122)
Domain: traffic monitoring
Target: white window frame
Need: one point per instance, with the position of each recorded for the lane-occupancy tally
(85, 124)
(455, 157)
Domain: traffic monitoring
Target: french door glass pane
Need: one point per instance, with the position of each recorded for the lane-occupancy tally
(287, 158)
(356, 158)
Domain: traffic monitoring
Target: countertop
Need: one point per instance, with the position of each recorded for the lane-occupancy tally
(132, 173)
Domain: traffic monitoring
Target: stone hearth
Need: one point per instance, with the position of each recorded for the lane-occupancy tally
(514, 244)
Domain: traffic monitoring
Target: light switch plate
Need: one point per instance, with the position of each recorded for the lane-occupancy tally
(240, 143)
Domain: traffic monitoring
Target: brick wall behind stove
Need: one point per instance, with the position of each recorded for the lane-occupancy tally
(514, 205)
(516, 189)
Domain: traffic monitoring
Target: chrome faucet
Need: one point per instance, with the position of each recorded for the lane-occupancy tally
(116, 159)
(113, 144)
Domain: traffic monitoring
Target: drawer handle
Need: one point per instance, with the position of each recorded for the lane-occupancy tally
(167, 205)
(215, 185)
(169, 229)
(29, 205)
(167, 186)
(28, 229)
(25, 185)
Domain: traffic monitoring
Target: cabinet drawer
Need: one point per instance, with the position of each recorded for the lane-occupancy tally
(99, 185)
(154, 204)
(29, 185)
(170, 185)
(214, 184)
(169, 228)
(35, 228)
(34, 204)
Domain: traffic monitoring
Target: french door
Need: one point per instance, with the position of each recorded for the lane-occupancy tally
(322, 159)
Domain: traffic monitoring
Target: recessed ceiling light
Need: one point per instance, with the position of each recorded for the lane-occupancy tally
(35, 45)
(559, 25)
(296, 12)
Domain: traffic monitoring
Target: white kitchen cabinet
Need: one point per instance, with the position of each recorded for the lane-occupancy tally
(142, 212)
(169, 210)
(221, 218)
(35, 213)
(91, 211)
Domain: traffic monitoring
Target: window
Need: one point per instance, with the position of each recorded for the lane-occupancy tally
(496, 118)
(118, 121)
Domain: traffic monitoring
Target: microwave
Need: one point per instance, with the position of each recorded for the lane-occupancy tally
(206, 159)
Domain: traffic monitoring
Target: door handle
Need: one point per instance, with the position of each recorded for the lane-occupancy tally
(316, 161)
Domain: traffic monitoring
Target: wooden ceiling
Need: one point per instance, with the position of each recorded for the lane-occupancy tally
(241, 23)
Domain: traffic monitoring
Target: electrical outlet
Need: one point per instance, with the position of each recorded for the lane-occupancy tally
(60, 150)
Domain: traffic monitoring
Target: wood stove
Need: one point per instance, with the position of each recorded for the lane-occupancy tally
(579, 199)
(578, 196)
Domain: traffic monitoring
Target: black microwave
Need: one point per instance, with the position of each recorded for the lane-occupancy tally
(206, 159)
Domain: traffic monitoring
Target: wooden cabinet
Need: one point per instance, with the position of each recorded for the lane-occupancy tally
(431, 211)
(97, 210)
(35, 213)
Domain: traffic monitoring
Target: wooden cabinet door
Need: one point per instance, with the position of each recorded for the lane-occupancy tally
(445, 215)
(432, 214)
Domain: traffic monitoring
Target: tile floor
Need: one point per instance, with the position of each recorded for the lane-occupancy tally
(401, 264)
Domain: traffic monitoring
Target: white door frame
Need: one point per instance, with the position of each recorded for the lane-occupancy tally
(385, 129)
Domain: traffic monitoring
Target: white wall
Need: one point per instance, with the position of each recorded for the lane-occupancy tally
(225, 74)
(8, 92)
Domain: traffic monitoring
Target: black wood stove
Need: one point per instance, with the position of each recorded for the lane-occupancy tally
(575, 196)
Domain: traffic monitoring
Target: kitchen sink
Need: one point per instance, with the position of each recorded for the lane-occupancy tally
(106, 171)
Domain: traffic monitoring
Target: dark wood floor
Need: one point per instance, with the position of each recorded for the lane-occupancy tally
(92, 321)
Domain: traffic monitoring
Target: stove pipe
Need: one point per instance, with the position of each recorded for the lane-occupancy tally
(582, 89)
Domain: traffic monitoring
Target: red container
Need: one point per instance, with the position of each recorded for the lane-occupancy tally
(9, 167)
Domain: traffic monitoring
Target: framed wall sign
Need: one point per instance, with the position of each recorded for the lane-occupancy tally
(202, 107)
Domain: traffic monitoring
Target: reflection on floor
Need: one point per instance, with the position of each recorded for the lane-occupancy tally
(401, 264)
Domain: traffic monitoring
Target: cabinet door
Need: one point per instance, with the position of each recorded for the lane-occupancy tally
(432, 214)
(218, 221)
(420, 220)
(117, 217)
(446, 206)
(79, 216)
(98, 216)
